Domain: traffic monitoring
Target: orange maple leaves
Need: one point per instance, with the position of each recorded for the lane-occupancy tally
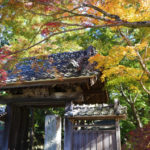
(50, 27)
(4, 57)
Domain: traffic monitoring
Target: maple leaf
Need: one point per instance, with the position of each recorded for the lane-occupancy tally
(53, 24)
(3, 75)
(45, 31)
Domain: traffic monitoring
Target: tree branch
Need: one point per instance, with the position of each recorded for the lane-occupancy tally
(61, 32)
(70, 24)
(143, 65)
(70, 16)
(135, 98)
(145, 89)
(142, 84)
(40, 14)
(102, 11)
(124, 95)
(57, 33)
(117, 20)
(125, 38)
(137, 24)
(70, 30)
(52, 14)
(87, 15)
(145, 54)
(35, 35)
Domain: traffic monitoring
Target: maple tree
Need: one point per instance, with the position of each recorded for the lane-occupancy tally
(114, 65)
(36, 25)
(48, 18)
(138, 139)
(4, 57)
(33, 23)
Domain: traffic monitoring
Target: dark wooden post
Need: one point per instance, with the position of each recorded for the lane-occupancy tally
(6, 129)
(22, 143)
(31, 128)
(14, 131)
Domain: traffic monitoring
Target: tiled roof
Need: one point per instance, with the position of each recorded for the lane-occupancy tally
(68, 64)
(96, 110)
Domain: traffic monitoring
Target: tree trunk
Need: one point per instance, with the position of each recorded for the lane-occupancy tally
(136, 116)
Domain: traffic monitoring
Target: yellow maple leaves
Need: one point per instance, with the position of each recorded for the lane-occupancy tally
(142, 45)
(120, 70)
(111, 65)
(129, 10)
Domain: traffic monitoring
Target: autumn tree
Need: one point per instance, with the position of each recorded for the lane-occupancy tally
(35, 23)
(138, 139)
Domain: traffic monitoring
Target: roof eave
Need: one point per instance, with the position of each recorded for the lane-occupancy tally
(100, 117)
(47, 82)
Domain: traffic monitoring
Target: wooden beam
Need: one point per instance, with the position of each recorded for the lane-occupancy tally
(104, 117)
(42, 100)
(80, 79)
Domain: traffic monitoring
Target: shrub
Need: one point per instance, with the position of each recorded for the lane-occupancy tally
(138, 139)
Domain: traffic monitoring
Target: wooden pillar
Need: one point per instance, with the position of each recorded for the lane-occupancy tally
(6, 129)
(68, 127)
(31, 122)
(22, 143)
(118, 140)
(68, 134)
(52, 133)
(15, 125)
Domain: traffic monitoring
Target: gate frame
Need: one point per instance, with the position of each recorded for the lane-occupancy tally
(69, 121)
(69, 130)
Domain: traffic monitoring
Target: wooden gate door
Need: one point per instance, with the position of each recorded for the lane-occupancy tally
(94, 140)
(92, 135)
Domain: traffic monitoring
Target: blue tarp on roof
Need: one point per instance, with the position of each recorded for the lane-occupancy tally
(67, 64)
